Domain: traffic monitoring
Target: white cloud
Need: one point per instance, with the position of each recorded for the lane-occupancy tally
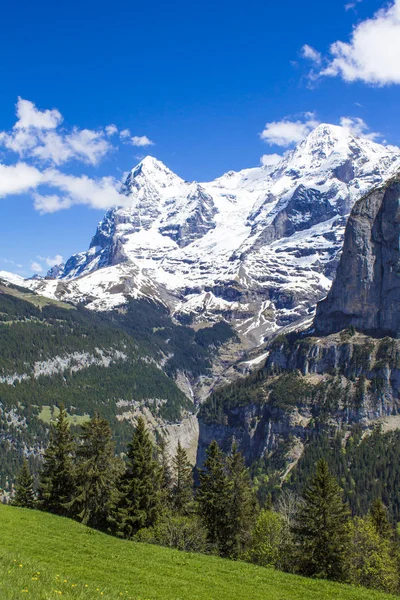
(50, 203)
(55, 260)
(101, 193)
(36, 267)
(358, 127)
(141, 140)
(372, 55)
(36, 135)
(312, 54)
(89, 145)
(111, 130)
(37, 138)
(135, 140)
(29, 116)
(269, 160)
(286, 132)
(18, 178)
(51, 148)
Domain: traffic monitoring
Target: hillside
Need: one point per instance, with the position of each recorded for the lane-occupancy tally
(120, 364)
(43, 556)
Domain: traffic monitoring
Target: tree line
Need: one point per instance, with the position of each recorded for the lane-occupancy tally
(149, 497)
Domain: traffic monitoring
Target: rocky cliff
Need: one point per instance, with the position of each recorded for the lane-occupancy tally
(307, 385)
(366, 290)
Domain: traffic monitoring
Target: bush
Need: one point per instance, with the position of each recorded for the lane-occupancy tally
(269, 539)
(370, 558)
(175, 531)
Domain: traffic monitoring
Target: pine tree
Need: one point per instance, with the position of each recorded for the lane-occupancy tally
(182, 488)
(379, 518)
(166, 474)
(96, 473)
(242, 504)
(56, 486)
(321, 527)
(214, 498)
(24, 493)
(138, 504)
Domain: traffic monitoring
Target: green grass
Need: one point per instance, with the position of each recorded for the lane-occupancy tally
(42, 555)
(35, 299)
(49, 414)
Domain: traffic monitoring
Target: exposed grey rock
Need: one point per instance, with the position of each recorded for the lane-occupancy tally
(366, 290)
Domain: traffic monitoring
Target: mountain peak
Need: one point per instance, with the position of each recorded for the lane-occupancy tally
(150, 171)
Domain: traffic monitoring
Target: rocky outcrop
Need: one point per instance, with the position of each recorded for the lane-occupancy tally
(366, 290)
(306, 386)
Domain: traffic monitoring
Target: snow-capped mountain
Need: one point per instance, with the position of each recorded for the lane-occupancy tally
(258, 247)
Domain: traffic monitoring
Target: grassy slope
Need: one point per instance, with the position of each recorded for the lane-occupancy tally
(44, 557)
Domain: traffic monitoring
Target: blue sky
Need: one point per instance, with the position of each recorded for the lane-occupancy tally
(198, 80)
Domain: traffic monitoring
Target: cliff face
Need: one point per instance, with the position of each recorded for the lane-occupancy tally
(306, 386)
(366, 291)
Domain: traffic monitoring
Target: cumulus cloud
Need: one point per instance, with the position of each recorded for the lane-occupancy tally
(18, 178)
(111, 130)
(51, 260)
(141, 140)
(372, 54)
(43, 146)
(270, 160)
(29, 116)
(358, 127)
(287, 132)
(135, 140)
(312, 54)
(101, 193)
(37, 135)
(55, 260)
(36, 267)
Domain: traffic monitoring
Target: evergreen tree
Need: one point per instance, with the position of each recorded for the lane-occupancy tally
(24, 493)
(242, 503)
(166, 474)
(96, 473)
(138, 504)
(56, 486)
(379, 518)
(321, 527)
(214, 498)
(182, 489)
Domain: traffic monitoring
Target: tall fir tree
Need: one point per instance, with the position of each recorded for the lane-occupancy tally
(213, 499)
(182, 488)
(138, 504)
(379, 517)
(97, 470)
(321, 527)
(56, 486)
(166, 474)
(243, 504)
(24, 492)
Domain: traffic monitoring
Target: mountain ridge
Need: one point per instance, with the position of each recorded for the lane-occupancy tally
(257, 248)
